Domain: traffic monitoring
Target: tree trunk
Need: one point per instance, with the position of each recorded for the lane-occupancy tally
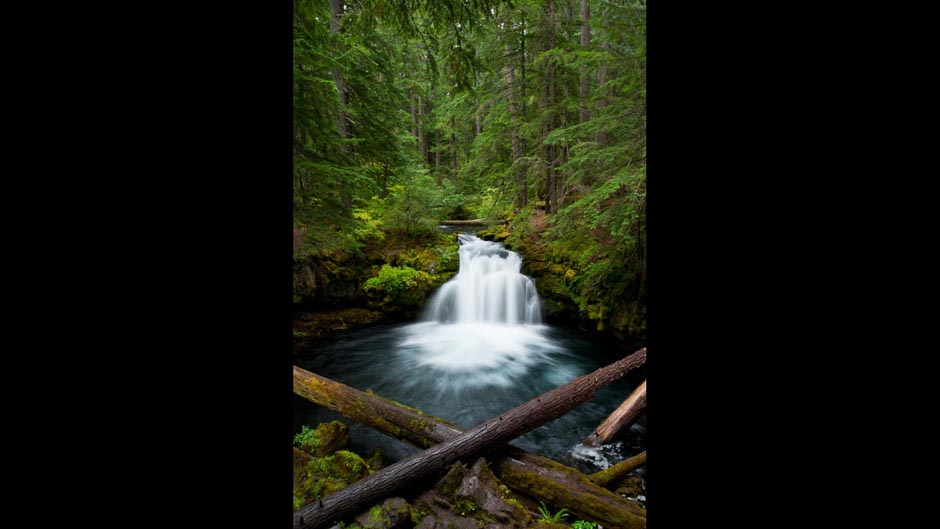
(422, 134)
(336, 9)
(414, 119)
(525, 149)
(437, 156)
(497, 431)
(625, 415)
(584, 92)
(453, 144)
(616, 472)
(601, 136)
(473, 222)
(537, 476)
(514, 131)
(550, 102)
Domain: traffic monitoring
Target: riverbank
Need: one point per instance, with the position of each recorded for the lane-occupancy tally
(390, 282)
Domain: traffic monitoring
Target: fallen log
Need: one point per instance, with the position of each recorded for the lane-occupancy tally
(614, 473)
(387, 416)
(497, 431)
(625, 415)
(537, 476)
(474, 222)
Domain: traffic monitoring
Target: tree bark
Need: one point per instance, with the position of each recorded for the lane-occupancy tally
(437, 155)
(336, 10)
(584, 93)
(601, 136)
(614, 473)
(473, 222)
(625, 415)
(453, 144)
(414, 119)
(537, 476)
(425, 140)
(518, 177)
(550, 103)
(497, 431)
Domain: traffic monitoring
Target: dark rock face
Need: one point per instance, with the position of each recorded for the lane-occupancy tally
(470, 499)
(394, 513)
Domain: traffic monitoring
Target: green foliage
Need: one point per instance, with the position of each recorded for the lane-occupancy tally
(321, 476)
(298, 503)
(607, 276)
(418, 514)
(583, 524)
(376, 512)
(307, 438)
(399, 287)
(448, 260)
(430, 126)
(548, 517)
(465, 506)
(395, 280)
(414, 207)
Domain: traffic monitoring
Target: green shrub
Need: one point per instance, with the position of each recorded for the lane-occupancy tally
(404, 286)
(307, 437)
(584, 524)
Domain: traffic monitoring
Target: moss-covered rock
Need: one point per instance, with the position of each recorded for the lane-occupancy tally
(393, 513)
(328, 437)
(632, 486)
(310, 329)
(496, 232)
(320, 476)
(399, 289)
(469, 498)
(375, 460)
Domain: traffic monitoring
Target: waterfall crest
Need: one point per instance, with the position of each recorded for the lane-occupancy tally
(488, 288)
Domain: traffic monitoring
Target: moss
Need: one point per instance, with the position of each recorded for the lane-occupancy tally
(451, 482)
(313, 328)
(496, 232)
(537, 486)
(325, 475)
(376, 512)
(464, 506)
(418, 514)
(327, 438)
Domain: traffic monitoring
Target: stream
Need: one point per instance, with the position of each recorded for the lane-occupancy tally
(479, 350)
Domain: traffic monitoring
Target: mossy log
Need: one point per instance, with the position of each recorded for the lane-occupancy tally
(625, 415)
(474, 222)
(490, 434)
(614, 473)
(539, 477)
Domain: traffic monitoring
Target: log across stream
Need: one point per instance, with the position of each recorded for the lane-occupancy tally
(481, 353)
(372, 359)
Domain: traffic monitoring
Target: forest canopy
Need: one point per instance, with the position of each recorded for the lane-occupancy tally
(526, 112)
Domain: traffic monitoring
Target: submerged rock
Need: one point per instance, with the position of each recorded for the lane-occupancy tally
(632, 486)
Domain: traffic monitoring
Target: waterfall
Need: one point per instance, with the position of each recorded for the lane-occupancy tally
(488, 288)
(485, 323)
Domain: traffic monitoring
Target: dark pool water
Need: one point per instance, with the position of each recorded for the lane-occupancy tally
(470, 373)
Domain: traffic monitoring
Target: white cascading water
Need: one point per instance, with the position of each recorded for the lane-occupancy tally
(485, 322)
(488, 288)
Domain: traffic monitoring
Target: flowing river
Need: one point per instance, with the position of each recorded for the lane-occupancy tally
(479, 349)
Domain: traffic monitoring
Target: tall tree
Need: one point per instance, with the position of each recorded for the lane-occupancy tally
(584, 91)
